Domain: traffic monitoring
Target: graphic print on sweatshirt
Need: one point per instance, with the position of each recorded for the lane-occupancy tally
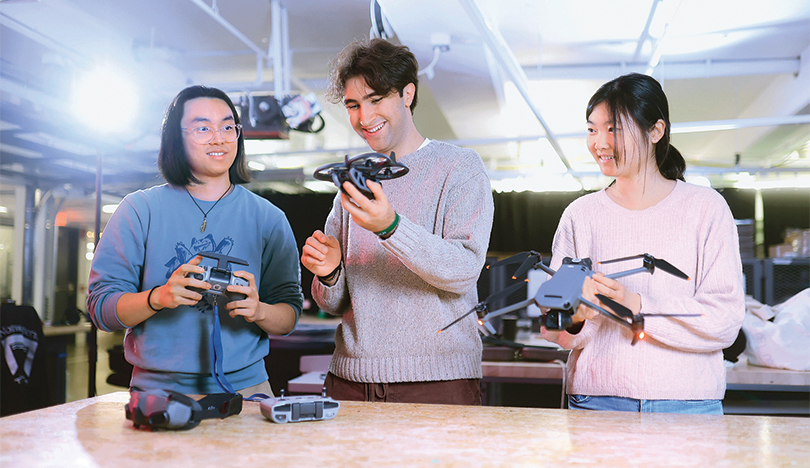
(184, 253)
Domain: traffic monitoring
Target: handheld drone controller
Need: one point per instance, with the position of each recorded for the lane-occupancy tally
(219, 277)
(299, 408)
(360, 169)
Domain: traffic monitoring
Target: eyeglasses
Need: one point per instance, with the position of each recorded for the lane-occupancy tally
(205, 134)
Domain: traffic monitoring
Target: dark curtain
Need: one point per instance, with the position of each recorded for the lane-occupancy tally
(784, 209)
(527, 220)
(740, 201)
(306, 213)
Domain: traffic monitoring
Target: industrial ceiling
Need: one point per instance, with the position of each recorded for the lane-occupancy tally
(510, 79)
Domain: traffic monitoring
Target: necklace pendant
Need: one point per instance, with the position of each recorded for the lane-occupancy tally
(205, 213)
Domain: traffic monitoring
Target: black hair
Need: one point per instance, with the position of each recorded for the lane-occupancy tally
(172, 158)
(384, 66)
(641, 99)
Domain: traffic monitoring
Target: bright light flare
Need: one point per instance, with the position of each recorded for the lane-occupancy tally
(256, 166)
(109, 209)
(701, 180)
(105, 100)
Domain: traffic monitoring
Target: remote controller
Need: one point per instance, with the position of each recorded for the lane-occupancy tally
(299, 408)
(220, 277)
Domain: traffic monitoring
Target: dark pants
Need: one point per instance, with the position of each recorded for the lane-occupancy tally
(444, 392)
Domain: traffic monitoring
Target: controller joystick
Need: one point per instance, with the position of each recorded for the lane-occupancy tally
(219, 277)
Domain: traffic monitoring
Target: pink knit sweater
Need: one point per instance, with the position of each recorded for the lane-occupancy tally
(681, 358)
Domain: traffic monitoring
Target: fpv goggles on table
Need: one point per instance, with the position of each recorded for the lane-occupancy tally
(166, 409)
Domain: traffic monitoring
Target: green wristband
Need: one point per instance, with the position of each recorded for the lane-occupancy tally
(386, 233)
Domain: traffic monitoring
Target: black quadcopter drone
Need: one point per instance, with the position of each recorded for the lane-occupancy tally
(360, 169)
(562, 293)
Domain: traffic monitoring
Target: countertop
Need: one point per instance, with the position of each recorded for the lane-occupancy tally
(744, 375)
(94, 432)
(740, 376)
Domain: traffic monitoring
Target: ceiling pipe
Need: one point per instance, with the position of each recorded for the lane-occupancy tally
(276, 43)
(46, 41)
(691, 169)
(682, 127)
(286, 58)
(657, 49)
(645, 35)
(675, 70)
(225, 24)
(275, 48)
(731, 124)
(511, 67)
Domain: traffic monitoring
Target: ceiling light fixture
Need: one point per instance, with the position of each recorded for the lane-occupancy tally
(101, 88)
(256, 166)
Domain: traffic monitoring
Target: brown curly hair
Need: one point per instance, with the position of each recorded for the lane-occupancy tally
(384, 66)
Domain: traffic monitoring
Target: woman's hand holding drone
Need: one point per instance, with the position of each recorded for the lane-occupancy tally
(610, 288)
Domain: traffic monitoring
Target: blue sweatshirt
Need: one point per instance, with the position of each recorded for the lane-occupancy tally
(152, 233)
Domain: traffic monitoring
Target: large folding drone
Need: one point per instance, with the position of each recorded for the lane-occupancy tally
(561, 295)
(360, 169)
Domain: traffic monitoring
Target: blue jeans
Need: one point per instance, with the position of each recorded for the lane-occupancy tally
(612, 403)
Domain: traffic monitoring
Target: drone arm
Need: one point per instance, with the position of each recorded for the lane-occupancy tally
(627, 273)
(543, 267)
(506, 310)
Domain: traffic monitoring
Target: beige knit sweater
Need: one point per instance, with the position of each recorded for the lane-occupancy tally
(681, 358)
(394, 295)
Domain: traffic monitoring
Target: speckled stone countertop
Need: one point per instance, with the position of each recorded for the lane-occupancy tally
(94, 432)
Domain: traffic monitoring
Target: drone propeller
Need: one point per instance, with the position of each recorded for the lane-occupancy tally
(623, 311)
(520, 257)
(483, 306)
(480, 307)
(637, 325)
(529, 260)
(619, 309)
(360, 169)
(504, 292)
(650, 264)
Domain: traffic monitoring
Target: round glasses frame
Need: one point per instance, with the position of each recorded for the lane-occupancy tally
(205, 134)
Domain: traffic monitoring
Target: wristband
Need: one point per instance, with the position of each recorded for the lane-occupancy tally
(149, 299)
(386, 233)
(328, 278)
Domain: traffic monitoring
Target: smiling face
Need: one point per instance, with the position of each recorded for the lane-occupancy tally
(383, 121)
(210, 160)
(618, 147)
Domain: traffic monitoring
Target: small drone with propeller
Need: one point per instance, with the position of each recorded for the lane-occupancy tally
(561, 295)
(360, 169)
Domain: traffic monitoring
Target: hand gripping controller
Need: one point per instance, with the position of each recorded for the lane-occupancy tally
(219, 277)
